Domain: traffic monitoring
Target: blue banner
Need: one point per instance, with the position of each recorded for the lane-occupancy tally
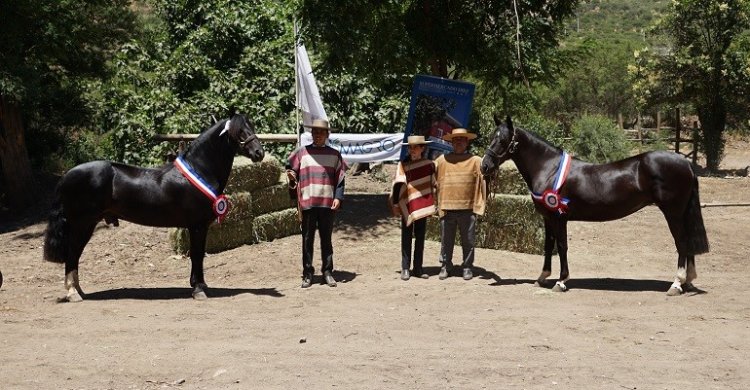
(438, 106)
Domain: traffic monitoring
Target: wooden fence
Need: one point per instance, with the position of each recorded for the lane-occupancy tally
(680, 136)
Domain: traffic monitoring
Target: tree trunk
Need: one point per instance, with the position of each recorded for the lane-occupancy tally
(713, 120)
(14, 160)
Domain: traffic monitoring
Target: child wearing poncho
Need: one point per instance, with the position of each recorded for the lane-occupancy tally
(412, 199)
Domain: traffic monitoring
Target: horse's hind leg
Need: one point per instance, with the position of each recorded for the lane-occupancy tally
(677, 228)
(79, 237)
(549, 245)
(680, 279)
(691, 274)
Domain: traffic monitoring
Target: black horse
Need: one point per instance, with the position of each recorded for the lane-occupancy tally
(185, 195)
(567, 189)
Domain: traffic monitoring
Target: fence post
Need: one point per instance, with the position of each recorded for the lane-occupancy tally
(695, 142)
(658, 121)
(677, 131)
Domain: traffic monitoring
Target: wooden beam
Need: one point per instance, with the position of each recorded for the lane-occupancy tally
(286, 138)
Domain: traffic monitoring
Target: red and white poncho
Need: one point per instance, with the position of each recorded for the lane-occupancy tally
(413, 188)
(320, 170)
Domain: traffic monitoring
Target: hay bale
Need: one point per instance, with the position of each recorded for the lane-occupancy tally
(268, 227)
(510, 223)
(256, 192)
(270, 199)
(235, 233)
(248, 176)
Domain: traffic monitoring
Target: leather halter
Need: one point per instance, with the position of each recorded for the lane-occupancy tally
(512, 146)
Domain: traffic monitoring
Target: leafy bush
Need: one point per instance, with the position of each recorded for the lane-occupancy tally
(548, 129)
(596, 139)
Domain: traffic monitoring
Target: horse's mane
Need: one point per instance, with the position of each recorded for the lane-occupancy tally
(539, 138)
(204, 135)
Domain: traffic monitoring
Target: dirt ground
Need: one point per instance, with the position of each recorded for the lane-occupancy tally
(615, 328)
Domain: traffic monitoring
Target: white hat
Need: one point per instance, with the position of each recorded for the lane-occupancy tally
(415, 140)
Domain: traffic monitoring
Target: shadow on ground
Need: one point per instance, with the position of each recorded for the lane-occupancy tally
(362, 213)
(175, 293)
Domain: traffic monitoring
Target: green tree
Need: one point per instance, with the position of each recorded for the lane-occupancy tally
(449, 38)
(707, 65)
(49, 50)
(200, 58)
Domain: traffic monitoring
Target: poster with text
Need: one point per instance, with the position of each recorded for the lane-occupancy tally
(437, 106)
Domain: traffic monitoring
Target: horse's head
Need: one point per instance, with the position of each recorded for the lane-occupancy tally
(242, 136)
(502, 146)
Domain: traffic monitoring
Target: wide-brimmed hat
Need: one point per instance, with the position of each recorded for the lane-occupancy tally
(459, 132)
(320, 124)
(416, 140)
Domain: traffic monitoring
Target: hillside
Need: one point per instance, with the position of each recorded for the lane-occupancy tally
(616, 20)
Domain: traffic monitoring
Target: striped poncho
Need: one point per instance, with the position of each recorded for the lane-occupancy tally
(320, 175)
(413, 190)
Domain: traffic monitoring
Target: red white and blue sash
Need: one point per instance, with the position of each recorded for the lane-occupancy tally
(221, 203)
(551, 198)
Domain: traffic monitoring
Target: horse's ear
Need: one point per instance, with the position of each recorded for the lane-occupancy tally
(232, 111)
(497, 118)
(509, 122)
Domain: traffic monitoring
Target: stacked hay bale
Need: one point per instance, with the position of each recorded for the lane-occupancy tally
(260, 209)
(510, 221)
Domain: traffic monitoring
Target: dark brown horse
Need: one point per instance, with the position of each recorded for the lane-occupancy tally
(572, 190)
(166, 196)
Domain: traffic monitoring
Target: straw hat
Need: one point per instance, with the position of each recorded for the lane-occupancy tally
(320, 124)
(415, 140)
(459, 132)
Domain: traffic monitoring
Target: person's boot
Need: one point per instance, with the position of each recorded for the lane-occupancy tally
(330, 281)
(306, 281)
(468, 274)
(420, 274)
(443, 272)
(405, 274)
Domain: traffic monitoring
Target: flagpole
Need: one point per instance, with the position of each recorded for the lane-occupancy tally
(296, 89)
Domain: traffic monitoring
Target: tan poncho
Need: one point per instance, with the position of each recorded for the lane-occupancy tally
(460, 183)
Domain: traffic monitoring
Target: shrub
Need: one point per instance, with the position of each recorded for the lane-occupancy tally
(598, 140)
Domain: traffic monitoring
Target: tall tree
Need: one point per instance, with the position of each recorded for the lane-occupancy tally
(48, 49)
(491, 40)
(707, 64)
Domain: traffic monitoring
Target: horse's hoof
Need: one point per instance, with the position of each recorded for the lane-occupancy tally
(537, 284)
(199, 295)
(559, 287)
(75, 297)
(674, 291)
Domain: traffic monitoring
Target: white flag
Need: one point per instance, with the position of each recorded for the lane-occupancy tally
(308, 97)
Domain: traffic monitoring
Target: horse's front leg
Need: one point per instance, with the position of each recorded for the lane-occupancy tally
(197, 253)
(561, 234)
(549, 245)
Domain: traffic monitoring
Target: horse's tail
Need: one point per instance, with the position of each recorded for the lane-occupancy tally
(56, 236)
(696, 240)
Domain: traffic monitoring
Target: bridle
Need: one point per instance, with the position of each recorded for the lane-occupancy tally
(512, 146)
(250, 138)
(242, 142)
